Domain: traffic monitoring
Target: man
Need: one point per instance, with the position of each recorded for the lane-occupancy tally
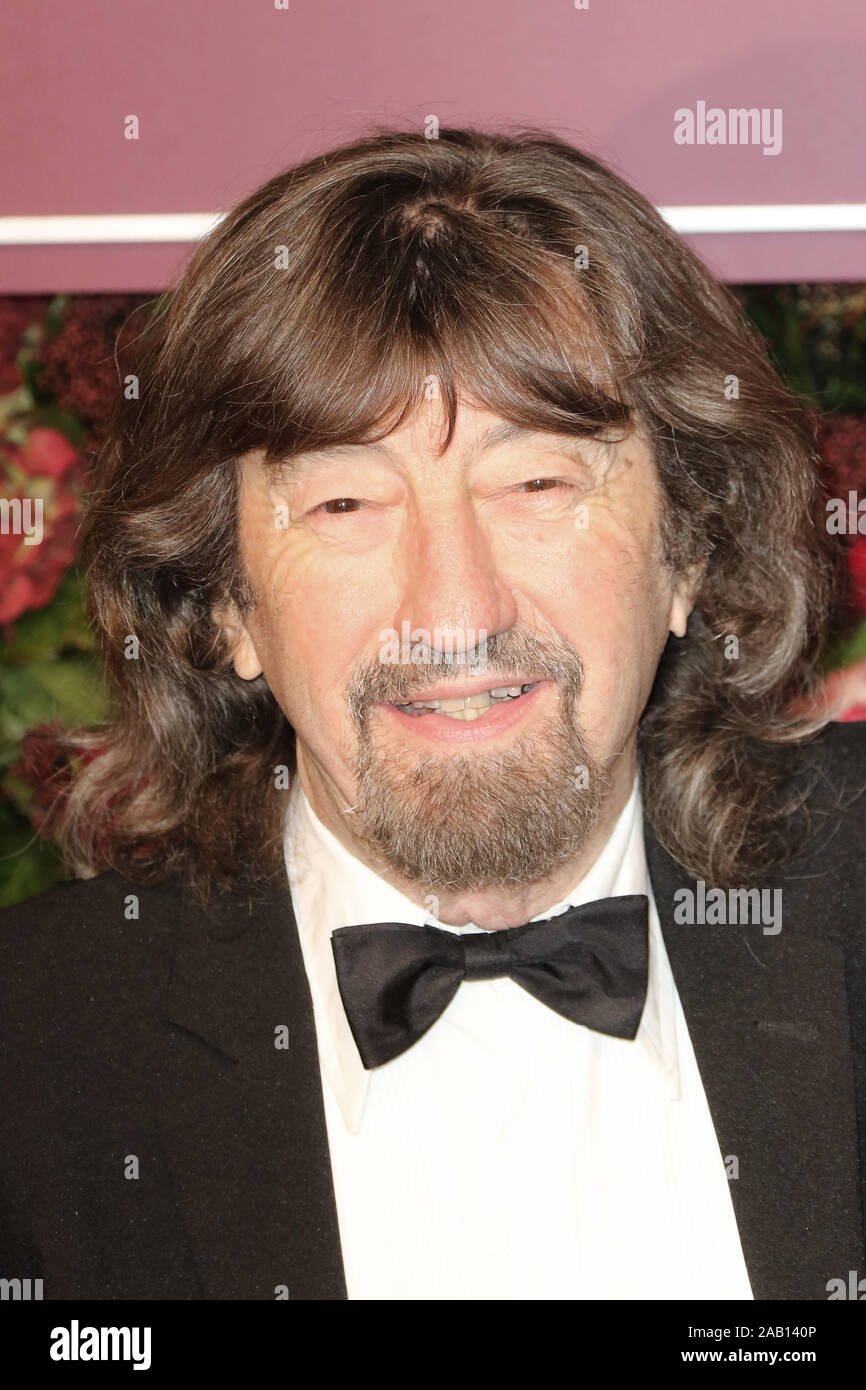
(463, 911)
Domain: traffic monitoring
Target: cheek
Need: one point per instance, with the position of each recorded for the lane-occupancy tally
(613, 609)
(312, 624)
(310, 634)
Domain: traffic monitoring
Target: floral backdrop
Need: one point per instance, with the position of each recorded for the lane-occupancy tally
(58, 379)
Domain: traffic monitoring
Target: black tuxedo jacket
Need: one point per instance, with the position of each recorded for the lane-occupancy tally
(156, 1144)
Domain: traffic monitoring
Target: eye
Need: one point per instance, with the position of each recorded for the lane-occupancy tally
(551, 483)
(338, 506)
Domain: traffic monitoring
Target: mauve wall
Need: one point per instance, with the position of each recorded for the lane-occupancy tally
(227, 92)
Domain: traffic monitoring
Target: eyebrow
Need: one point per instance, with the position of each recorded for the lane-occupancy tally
(506, 432)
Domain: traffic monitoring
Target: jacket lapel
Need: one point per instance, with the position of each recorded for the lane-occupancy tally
(242, 1124)
(768, 1019)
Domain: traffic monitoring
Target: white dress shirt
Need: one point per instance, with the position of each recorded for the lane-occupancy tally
(510, 1153)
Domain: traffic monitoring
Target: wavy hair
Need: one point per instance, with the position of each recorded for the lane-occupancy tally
(529, 276)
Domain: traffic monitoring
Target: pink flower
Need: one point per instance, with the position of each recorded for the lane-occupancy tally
(47, 453)
(842, 697)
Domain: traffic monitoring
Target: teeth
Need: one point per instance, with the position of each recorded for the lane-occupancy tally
(467, 707)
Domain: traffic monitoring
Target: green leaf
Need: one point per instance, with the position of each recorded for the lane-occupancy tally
(31, 370)
(61, 625)
(73, 685)
(50, 416)
(68, 690)
(14, 404)
(55, 312)
(846, 650)
(28, 864)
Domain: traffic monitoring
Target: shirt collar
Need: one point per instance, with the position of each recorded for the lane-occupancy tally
(332, 888)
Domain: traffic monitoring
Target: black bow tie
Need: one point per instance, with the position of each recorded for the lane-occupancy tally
(589, 963)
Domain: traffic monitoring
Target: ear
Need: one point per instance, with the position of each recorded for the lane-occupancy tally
(683, 599)
(245, 658)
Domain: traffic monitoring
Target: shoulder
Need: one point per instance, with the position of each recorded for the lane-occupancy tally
(830, 788)
(832, 775)
(840, 751)
(99, 936)
(95, 906)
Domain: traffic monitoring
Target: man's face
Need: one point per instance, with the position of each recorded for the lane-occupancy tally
(508, 561)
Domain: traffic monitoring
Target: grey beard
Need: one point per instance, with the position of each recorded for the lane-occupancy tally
(504, 818)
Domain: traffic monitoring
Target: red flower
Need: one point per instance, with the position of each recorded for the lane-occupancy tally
(30, 575)
(46, 765)
(17, 312)
(856, 557)
(842, 443)
(47, 453)
(35, 555)
(42, 768)
(82, 363)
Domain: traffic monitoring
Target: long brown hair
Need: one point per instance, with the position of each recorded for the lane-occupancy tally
(527, 275)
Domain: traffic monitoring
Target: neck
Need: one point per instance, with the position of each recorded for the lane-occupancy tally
(489, 908)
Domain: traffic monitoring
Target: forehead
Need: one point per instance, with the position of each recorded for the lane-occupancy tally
(477, 433)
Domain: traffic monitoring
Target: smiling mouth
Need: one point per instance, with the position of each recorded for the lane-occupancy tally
(465, 707)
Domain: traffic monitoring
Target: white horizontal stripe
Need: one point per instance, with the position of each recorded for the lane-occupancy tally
(769, 217)
(101, 228)
(142, 228)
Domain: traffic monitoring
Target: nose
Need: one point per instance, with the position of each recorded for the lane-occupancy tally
(454, 589)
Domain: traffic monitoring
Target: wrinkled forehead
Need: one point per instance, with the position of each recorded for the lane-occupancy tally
(423, 439)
